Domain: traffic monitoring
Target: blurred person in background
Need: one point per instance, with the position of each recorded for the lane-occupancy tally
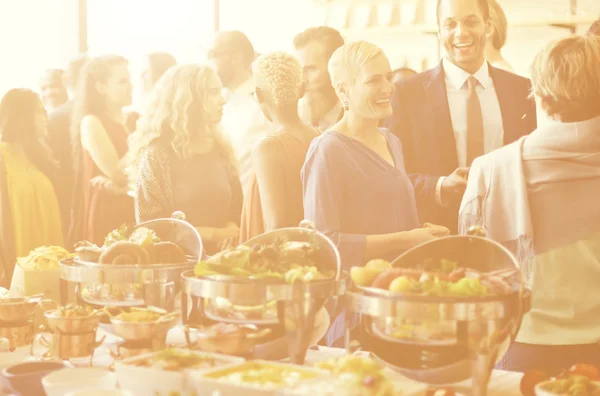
(231, 54)
(99, 138)
(461, 109)
(52, 89)
(497, 39)
(184, 161)
(273, 197)
(319, 106)
(155, 65)
(29, 211)
(59, 139)
(539, 197)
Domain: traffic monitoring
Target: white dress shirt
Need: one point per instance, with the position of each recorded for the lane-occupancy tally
(244, 124)
(457, 90)
(328, 120)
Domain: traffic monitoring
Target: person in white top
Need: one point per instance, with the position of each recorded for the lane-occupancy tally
(232, 55)
(496, 40)
(463, 108)
(320, 106)
(539, 197)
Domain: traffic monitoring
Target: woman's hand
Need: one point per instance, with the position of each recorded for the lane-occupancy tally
(103, 183)
(230, 232)
(438, 230)
(427, 233)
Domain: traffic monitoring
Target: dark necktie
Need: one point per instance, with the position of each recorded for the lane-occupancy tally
(475, 146)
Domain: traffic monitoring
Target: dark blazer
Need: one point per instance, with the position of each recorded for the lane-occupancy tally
(59, 143)
(422, 122)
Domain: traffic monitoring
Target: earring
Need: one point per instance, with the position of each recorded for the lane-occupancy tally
(346, 106)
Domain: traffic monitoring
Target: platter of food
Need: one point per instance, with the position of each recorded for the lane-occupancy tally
(246, 282)
(166, 372)
(254, 378)
(579, 380)
(136, 266)
(131, 246)
(444, 303)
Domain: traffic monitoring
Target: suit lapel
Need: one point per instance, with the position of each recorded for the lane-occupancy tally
(508, 106)
(443, 133)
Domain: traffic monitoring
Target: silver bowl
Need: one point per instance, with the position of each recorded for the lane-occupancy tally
(451, 338)
(73, 324)
(18, 309)
(137, 331)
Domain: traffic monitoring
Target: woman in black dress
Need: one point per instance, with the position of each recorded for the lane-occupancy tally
(182, 160)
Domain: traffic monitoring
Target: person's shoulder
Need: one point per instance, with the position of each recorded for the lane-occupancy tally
(91, 122)
(157, 149)
(506, 154)
(327, 141)
(267, 146)
(510, 77)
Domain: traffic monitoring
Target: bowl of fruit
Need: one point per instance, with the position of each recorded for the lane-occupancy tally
(579, 380)
(440, 306)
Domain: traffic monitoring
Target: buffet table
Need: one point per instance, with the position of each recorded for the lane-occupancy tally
(502, 383)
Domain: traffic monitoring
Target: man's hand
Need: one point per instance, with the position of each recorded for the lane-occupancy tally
(453, 186)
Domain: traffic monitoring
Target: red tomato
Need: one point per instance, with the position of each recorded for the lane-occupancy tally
(530, 380)
(586, 370)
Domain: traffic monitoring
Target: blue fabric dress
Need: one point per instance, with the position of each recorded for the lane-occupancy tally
(350, 192)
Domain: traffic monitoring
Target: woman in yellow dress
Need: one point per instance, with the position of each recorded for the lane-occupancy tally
(29, 212)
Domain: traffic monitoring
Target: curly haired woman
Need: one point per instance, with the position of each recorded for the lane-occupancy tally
(273, 195)
(183, 162)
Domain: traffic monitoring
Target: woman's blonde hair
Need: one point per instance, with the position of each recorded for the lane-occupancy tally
(176, 113)
(282, 75)
(565, 76)
(500, 24)
(345, 63)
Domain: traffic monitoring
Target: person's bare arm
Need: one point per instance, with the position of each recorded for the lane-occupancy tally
(382, 244)
(268, 160)
(96, 142)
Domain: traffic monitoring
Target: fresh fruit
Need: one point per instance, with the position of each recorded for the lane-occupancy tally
(379, 264)
(587, 370)
(364, 276)
(530, 380)
(468, 287)
(384, 279)
(402, 284)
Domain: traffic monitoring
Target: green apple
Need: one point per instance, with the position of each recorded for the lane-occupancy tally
(363, 276)
(402, 284)
(379, 264)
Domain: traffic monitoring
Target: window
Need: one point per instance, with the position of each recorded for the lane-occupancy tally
(36, 35)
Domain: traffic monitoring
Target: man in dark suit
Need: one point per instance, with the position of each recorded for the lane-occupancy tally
(463, 108)
(59, 140)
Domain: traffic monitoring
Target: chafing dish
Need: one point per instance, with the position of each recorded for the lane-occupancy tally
(272, 302)
(133, 285)
(461, 337)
